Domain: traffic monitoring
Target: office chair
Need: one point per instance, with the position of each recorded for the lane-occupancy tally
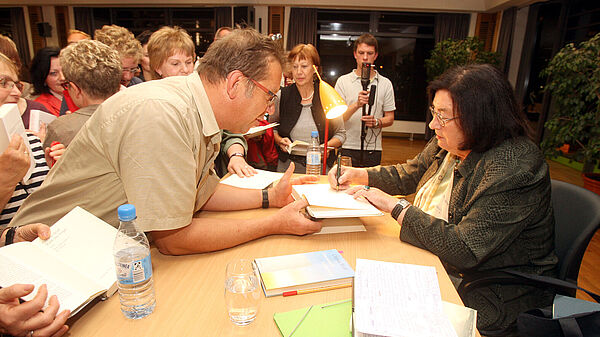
(577, 217)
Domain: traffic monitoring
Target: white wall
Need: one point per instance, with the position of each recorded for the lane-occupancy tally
(517, 45)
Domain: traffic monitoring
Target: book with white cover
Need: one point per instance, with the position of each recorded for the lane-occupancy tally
(259, 130)
(258, 181)
(37, 117)
(10, 124)
(76, 262)
(325, 202)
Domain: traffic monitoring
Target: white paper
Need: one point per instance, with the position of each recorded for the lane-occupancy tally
(325, 196)
(258, 129)
(70, 238)
(10, 124)
(37, 117)
(258, 181)
(339, 225)
(395, 299)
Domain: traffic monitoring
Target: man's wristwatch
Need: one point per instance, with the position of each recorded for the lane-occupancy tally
(265, 198)
(236, 154)
(377, 122)
(400, 206)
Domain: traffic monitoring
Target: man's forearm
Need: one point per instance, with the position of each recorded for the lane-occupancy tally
(210, 234)
(229, 198)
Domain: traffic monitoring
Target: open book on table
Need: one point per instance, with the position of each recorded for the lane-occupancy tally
(76, 262)
(304, 271)
(301, 146)
(325, 202)
(10, 124)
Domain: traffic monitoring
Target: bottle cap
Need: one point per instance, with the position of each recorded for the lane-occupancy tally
(126, 212)
(314, 134)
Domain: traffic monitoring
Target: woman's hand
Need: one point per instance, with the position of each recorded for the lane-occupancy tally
(238, 165)
(14, 162)
(375, 196)
(348, 175)
(20, 319)
(285, 143)
(281, 194)
(54, 152)
(32, 232)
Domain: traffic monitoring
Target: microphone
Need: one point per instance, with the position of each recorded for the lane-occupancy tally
(365, 75)
(372, 96)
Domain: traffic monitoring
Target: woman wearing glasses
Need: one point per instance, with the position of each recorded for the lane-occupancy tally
(299, 111)
(482, 188)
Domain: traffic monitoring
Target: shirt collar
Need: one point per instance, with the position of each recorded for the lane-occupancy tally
(205, 111)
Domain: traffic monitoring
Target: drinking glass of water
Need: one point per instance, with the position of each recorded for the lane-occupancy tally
(242, 292)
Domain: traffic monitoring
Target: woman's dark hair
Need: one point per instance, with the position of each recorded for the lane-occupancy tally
(144, 37)
(40, 67)
(484, 103)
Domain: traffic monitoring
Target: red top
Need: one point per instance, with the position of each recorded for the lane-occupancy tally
(50, 102)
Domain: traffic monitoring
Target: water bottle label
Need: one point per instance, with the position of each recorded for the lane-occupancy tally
(135, 271)
(313, 158)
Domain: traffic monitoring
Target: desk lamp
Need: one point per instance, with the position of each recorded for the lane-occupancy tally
(333, 107)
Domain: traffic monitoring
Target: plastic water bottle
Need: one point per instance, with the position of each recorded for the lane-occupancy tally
(134, 267)
(313, 155)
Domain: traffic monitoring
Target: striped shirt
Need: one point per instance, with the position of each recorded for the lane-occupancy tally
(23, 190)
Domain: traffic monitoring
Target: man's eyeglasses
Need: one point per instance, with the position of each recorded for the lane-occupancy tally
(438, 115)
(267, 91)
(7, 83)
(131, 70)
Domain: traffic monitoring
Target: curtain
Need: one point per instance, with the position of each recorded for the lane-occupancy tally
(447, 26)
(223, 17)
(505, 38)
(302, 27)
(84, 19)
(19, 36)
(451, 26)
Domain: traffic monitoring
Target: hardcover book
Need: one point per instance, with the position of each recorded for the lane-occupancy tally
(303, 271)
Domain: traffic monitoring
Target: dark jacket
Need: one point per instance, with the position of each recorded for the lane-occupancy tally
(499, 216)
(290, 108)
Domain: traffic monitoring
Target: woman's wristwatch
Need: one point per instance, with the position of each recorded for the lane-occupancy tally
(400, 206)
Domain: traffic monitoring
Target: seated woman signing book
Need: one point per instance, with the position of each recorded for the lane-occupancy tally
(482, 192)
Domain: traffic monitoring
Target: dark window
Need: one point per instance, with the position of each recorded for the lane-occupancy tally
(405, 41)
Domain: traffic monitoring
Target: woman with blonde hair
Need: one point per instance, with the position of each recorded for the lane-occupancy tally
(171, 52)
(299, 111)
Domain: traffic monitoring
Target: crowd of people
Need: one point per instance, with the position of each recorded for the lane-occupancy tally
(145, 121)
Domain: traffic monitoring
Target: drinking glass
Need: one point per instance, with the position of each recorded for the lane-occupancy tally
(346, 161)
(242, 292)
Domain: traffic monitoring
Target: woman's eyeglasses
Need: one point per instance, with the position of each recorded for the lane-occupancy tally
(66, 85)
(440, 118)
(7, 83)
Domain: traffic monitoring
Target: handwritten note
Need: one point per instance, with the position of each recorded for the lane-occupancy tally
(394, 299)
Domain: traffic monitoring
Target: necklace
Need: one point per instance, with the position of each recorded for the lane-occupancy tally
(309, 97)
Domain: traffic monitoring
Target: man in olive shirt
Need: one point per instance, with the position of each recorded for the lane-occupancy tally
(153, 145)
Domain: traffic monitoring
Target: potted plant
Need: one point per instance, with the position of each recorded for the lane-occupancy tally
(449, 53)
(574, 82)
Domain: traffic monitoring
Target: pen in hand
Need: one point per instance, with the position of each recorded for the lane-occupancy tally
(338, 172)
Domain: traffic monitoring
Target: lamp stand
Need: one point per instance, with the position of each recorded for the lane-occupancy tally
(324, 168)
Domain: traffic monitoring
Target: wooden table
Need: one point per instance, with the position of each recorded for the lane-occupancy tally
(190, 289)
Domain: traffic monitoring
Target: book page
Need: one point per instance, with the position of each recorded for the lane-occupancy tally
(25, 263)
(37, 117)
(85, 243)
(324, 195)
(10, 124)
(258, 181)
(257, 130)
(395, 299)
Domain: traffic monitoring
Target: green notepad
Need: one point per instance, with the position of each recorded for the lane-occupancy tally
(331, 321)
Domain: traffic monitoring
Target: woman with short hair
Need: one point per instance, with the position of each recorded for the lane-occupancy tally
(171, 52)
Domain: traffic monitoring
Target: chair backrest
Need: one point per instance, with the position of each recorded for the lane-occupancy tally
(577, 216)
